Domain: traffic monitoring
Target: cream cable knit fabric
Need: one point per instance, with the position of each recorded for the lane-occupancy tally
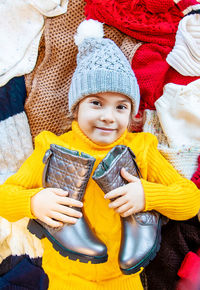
(50, 8)
(178, 110)
(152, 125)
(184, 160)
(21, 27)
(15, 239)
(15, 144)
(185, 56)
(15, 148)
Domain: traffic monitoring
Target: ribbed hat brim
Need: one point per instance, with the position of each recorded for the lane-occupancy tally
(102, 80)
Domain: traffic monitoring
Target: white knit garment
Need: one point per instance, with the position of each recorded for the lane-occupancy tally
(152, 125)
(185, 56)
(184, 160)
(178, 110)
(21, 27)
(15, 147)
(15, 144)
(50, 8)
(15, 239)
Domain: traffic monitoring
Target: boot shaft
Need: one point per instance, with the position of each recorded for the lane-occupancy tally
(68, 170)
(108, 173)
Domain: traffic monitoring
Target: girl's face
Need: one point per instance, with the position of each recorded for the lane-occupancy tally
(104, 117)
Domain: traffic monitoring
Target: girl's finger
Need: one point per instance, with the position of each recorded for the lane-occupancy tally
(116, 192)
(59, 191)
(128, 212)
(68, 211)
(118, 202)
(70, 202)
(124, 208)
(52, 223)
(129, 177)
(63, 218)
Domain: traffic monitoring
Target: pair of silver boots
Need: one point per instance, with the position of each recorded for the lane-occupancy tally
(141, 233)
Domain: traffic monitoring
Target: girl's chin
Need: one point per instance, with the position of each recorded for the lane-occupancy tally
(103, 141)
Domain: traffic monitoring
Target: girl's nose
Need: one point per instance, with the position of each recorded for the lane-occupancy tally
(107, 115)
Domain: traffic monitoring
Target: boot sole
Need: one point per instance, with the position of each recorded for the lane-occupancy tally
(40, 232)
(149, 257)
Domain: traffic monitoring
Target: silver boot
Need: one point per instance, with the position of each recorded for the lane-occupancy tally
(68, 170)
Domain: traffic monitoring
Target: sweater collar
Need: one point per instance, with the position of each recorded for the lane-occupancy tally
(86, 143)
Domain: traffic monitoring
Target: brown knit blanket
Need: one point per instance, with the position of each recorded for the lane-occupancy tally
(47, 86)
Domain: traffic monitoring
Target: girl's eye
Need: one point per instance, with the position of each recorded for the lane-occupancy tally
(96, 103)
(121, 107)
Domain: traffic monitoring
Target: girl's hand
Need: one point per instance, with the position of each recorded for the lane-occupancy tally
(53, 207)
(128, 199)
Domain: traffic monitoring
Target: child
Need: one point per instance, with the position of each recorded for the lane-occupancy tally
(103, 96)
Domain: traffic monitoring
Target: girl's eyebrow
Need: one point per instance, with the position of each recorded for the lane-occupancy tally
(95, 96)
(102, 98)
(124, 101)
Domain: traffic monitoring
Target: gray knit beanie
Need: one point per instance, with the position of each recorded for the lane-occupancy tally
(101, 67)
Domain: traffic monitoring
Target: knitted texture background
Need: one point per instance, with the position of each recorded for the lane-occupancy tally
(129, 46)
(178, 112)
(184, 160)
(185, 57)
(19, 51)
(16, 146)
(47, 86)
(16, 240)
(189, 272)
(24, 275)
(153, 72)
(188, 6)
(152, 125)
(158, 6)
(178, 238)
(146, 20)
(196, 176)
(15, 141)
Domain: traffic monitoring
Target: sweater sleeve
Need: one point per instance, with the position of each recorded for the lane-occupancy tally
(166, 191)
(16, 192)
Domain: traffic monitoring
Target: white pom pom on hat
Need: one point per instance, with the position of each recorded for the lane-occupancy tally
(88, 29)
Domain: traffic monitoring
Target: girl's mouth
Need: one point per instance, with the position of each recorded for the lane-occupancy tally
(105, 129)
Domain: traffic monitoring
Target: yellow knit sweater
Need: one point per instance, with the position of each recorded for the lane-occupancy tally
(165, 191)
